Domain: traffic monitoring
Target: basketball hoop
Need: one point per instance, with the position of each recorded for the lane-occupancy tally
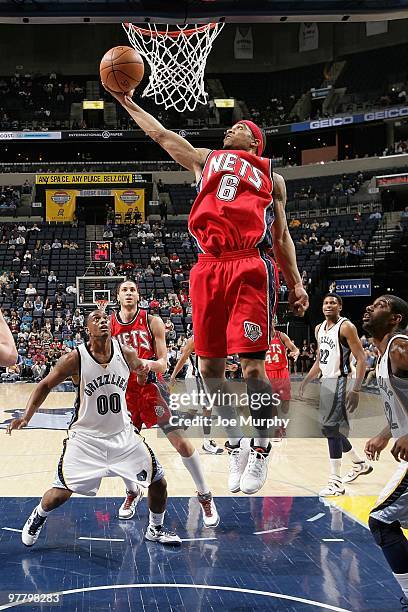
(102, 305)
(177, 60)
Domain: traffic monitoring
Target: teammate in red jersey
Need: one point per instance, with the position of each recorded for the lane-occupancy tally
(277, 367)
(148, 402)
(238, 216)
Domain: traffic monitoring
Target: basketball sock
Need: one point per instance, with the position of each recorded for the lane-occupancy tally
(351, 454)
(402, 580)
(234, 441)
(41, 511)
(156, 519)
(335, 467)
(193, 465)
(263, 442)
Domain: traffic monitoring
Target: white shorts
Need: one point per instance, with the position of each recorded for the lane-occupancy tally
(85, 460)
(392, 503)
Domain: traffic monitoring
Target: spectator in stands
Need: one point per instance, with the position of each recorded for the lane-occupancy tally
(31, 290)
(305, 357)
(46, 247)
(375, 215)
(44, 272)
(144, 303)
(12, 374)
(154, 305)
(35, 228)
(20, 239)
(294, 223)
(16, 258)
(24, 271)
(163, 210)
(155, 258)
(73, 246)
(38, 371)
(27, 256)
(38, 304)
(65, 244)
(326, 248)
(174, 260)
(51, 277)
(405, 213)
(176, 309)
(108, 233)
(56, 243)
(339, 242)
(71, 289)
(371, 363)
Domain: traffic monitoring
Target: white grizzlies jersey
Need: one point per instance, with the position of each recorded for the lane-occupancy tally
(334, 357)
(394, 393)
(100, 407)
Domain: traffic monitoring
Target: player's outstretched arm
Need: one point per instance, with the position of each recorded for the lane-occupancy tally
(294, 351)
(160, 348)
(185, 354)
(66, 367)
(176, 146)
(349, 333)
(284, 250)
(8, 351)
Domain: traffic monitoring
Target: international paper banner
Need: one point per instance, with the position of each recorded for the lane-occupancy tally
(60, 204)
(128, 201)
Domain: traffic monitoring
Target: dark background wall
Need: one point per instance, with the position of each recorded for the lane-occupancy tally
(77, 49)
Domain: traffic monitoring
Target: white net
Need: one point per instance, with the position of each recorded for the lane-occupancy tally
(177, 60)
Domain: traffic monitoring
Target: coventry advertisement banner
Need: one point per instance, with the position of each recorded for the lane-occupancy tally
(128, 201)
(60, 204)
(352, 287)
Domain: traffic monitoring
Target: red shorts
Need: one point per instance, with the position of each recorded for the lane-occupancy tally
(234, 300)
(280, 381)
(148, 405)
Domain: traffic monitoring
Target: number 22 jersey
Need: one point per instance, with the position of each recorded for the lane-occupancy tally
(234, 208)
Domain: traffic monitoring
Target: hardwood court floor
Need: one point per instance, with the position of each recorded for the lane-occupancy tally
(298, 466)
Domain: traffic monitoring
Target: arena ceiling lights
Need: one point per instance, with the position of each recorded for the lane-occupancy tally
(199, 11)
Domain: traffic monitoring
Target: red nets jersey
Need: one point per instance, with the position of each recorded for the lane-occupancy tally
(276, 358)
(234, 209)
(136, 333)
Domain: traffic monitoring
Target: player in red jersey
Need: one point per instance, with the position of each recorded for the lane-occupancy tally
(237, 218)
(148, 403)
(277, 367)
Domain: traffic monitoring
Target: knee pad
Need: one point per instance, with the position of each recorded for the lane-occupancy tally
(385, 534)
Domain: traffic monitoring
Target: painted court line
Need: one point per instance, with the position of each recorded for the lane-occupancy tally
(270, 530)
(208, 587)
(316, 517)
(196, 539)
(103, 539)
(11, 529)
(333, 540)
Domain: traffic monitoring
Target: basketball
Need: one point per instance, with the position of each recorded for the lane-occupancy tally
(121, 69)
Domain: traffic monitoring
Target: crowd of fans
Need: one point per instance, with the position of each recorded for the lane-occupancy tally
(398, 148)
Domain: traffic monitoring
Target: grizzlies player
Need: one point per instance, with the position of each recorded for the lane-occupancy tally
(337, 340)
(194, 383)
(386, 321)
(101, 439)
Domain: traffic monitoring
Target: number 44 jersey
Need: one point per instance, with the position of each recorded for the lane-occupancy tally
(334, 356)
(100, 407)
(233, 210)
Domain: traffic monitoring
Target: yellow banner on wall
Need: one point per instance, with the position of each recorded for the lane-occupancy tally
(128, 201)
(98, 178)
(60, 204)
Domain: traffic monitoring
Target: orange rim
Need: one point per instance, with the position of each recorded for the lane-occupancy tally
(189, 32)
